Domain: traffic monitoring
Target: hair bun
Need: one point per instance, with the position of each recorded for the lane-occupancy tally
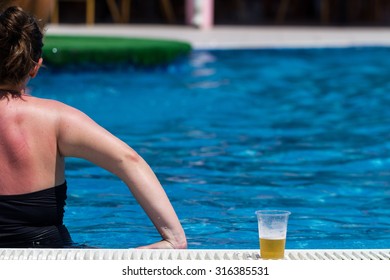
(13, 22)
(15, 35)
(20, 45)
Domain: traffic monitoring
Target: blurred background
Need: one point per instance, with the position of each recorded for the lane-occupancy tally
(224, 12)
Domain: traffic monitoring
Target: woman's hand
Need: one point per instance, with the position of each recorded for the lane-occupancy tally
(164, 244)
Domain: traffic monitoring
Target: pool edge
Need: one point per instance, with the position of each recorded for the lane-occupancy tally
(190, 254)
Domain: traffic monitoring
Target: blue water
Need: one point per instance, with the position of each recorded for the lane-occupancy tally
(231, 132)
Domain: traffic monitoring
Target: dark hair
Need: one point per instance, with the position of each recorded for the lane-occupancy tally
(20, 45)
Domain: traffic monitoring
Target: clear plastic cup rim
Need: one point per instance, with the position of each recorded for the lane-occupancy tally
(272, 212)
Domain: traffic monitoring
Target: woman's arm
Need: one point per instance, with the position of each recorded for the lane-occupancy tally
(79, 136)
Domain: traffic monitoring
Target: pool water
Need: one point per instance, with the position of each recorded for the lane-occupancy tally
(230, 132)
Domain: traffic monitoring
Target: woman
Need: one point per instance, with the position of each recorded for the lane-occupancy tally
(37, 134)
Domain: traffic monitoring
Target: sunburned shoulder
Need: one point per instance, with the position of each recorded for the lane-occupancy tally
(50, 105)
(64, 114)
(37, 101)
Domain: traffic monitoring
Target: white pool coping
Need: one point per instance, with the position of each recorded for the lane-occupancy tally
(138, 254)
(233, 37)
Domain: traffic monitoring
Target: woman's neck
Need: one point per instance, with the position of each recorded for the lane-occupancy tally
(13, 90)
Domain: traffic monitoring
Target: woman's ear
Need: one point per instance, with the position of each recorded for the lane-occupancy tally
(35, 70)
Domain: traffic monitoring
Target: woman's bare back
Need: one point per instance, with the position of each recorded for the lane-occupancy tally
(29, 157)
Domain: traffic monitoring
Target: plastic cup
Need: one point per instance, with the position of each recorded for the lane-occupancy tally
(272, 233)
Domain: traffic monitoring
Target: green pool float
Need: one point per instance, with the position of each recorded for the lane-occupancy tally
(64, 50)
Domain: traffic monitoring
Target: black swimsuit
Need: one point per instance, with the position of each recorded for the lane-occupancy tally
(34, 220)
